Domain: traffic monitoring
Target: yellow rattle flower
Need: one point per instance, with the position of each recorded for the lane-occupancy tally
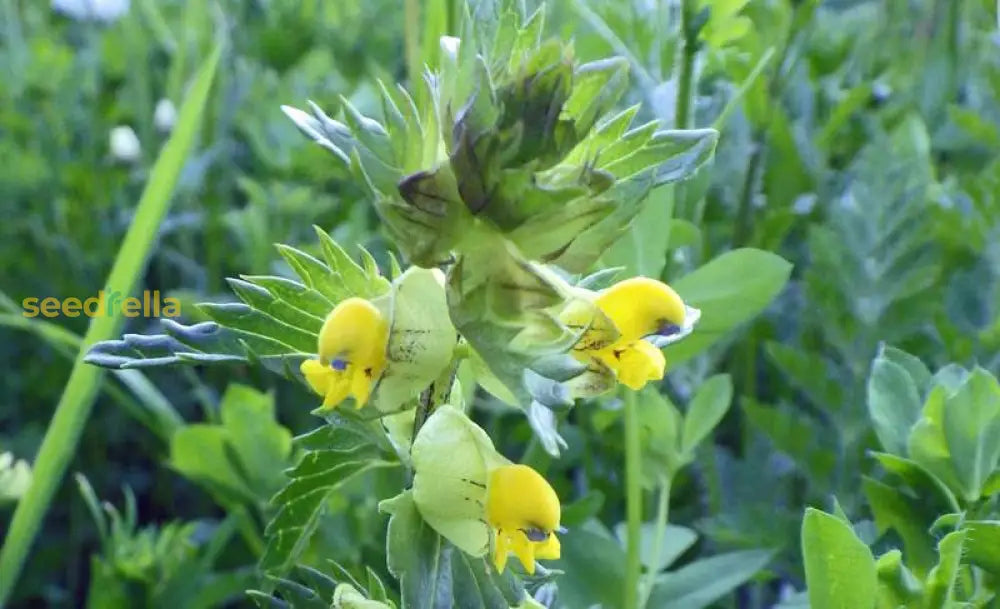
(639, 309)
(477, 499)
(352, 353)
(524, 512)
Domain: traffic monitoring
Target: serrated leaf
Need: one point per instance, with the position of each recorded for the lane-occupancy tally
(294, 293)
(315, 274)
(202, 343)
(362, 282)
(302, 501)
(249, 321)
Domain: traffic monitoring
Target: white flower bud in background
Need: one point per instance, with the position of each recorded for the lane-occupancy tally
(124, 144)
(92, 10)
(450, 44)
(164, 116)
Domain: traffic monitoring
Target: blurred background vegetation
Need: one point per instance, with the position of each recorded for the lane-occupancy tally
(866, 150)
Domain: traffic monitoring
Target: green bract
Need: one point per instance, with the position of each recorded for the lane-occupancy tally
(452, 457)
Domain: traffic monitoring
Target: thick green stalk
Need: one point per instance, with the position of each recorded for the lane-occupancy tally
(74, 406)
(633, 501)
(659, 532)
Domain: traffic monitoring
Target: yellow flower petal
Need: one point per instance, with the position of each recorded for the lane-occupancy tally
(549, 549)
(641, 306)
(525, 511)
(518, 497)
(337, 392)
(351, 346)
(524, 549)
(500, 551)
(639, 363)
(317, 375)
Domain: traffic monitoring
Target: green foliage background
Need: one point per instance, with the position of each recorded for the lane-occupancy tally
(860, 140)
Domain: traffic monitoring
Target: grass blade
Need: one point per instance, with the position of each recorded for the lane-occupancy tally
(74, 406)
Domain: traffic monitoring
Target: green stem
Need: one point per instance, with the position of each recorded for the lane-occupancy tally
(73, 410)
(744, 213)
(411, 41)
(682, 116)
(248, 529)
(659, 532)
(633, 501)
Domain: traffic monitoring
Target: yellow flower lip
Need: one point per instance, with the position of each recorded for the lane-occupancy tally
(524, 511)
(352, 353)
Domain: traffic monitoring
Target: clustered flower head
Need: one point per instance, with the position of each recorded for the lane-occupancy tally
(352, 353)
(523, 176)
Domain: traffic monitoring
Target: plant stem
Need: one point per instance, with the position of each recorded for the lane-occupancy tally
(682, 116)
(411, 42)
(744, 213)
(633, 501)
(662, 512)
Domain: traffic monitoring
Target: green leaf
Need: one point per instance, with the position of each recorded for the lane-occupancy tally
(972, 428)
(840, 569)
(251, 322)
(415, 555)
(709, 404)
(701, 583)
(302, 501)
(927, 444)
(201, 343)
(730, 290)
(914, 367)
(894, 510)
(643, 249)
(809, 372)
(793, 434)
(924, 483)
(893, 404)
(982, 544)
(674, 155)
(676, 540)
(661, 427)
(594, 567)
(897, 586)
(940, 583)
